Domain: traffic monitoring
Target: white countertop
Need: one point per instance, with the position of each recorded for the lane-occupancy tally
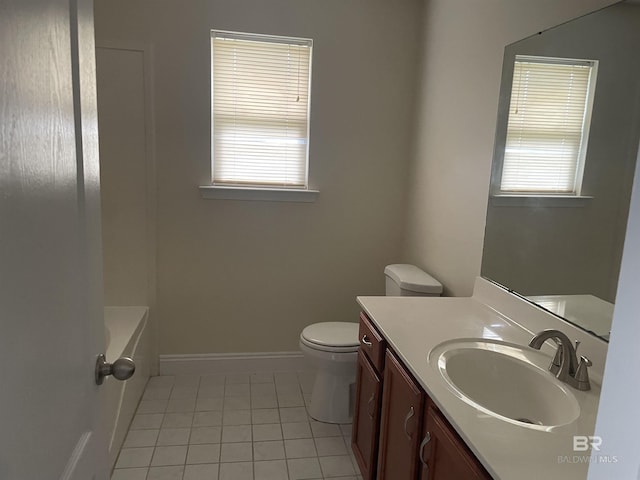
(415, 325)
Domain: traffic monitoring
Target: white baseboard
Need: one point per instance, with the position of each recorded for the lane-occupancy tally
(216, 363)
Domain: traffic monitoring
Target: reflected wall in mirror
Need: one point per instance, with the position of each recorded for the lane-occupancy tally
(562, 249)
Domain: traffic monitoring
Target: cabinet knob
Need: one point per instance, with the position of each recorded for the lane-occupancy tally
(365, 341)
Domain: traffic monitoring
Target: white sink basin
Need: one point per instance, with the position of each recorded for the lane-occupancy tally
(506, 381)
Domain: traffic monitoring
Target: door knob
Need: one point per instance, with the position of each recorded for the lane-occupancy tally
(122, 369)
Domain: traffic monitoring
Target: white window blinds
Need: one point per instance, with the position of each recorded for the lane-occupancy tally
(260, 103)
(548, 125)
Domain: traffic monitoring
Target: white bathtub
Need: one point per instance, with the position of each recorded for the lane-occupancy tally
(126, 335)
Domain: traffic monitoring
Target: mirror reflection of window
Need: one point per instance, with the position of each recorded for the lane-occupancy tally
(548, 127)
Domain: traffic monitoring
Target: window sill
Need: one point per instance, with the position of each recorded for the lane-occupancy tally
(566, 201)
(217, 192)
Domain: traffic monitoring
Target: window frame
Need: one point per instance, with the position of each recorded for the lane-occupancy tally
(503, 126)
(255, 190)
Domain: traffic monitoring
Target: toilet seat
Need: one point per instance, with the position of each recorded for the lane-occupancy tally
(334, 337)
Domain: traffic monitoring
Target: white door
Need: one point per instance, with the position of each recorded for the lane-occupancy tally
(51, 320)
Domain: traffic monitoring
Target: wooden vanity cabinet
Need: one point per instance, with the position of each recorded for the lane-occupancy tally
(443, 454)
(401, 421)
(366, 418)
(398, 433)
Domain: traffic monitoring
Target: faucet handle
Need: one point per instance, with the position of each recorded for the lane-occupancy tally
(556, 362)
(586, 361)
(577, 342)
(582, 374)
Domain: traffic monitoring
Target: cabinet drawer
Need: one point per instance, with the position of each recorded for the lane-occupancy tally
(371, 343)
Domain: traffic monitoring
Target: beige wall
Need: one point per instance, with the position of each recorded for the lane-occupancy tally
(237, 276)
(456, 123)
(126, 239)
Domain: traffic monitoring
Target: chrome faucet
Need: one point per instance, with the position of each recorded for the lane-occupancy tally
(565, 364)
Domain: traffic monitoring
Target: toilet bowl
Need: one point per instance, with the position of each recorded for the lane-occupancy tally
(332, 348)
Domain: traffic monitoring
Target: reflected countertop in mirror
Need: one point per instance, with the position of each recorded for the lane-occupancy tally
(562, 249)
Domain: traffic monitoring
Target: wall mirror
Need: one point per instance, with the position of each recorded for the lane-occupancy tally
(566, 146)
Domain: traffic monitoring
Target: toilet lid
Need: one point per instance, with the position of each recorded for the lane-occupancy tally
(332, 334)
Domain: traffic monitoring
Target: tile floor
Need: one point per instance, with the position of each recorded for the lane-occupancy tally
(233, 427)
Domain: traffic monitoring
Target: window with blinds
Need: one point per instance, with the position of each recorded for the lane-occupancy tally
(260, 110)
(548, 125)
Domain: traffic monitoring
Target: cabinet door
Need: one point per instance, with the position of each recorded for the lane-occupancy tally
(443, 454)
(366, 420)
(402, 410)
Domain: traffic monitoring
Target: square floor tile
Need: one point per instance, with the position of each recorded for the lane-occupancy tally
(237, 390)
(184, 393)
(265, 415)
(177, 420)
(157, 393)
(261, 378)
(270, 470)
(211, 380)
(214, 391)
(300, 448)
(186, 381)
(269, 431)
(237, 403)
(264, 401)
(336, 466)
(236, 433)
(271, 450)
(296, 430)
(134, 457)
(166, 473)
(236, 417)
(174, 455)
(236, 452)
(328, 446)
(304, 468)
(236, 471)
(237, 378)
(173, 436)
(207, 453)
(207, 404)
(152, 406)
(286, 377)
(141, 438)
(205, 435)
(207, 419)
(181, 405)
(147, 421)
(321, 429)
(130, 474)
(288, 389)
(290, 400)
(258, 390)
(294, 414)
(201, 472)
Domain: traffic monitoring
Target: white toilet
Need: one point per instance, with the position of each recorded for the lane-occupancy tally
(332, 347)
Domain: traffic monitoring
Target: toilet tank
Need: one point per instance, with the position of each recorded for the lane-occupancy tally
(406, 280)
